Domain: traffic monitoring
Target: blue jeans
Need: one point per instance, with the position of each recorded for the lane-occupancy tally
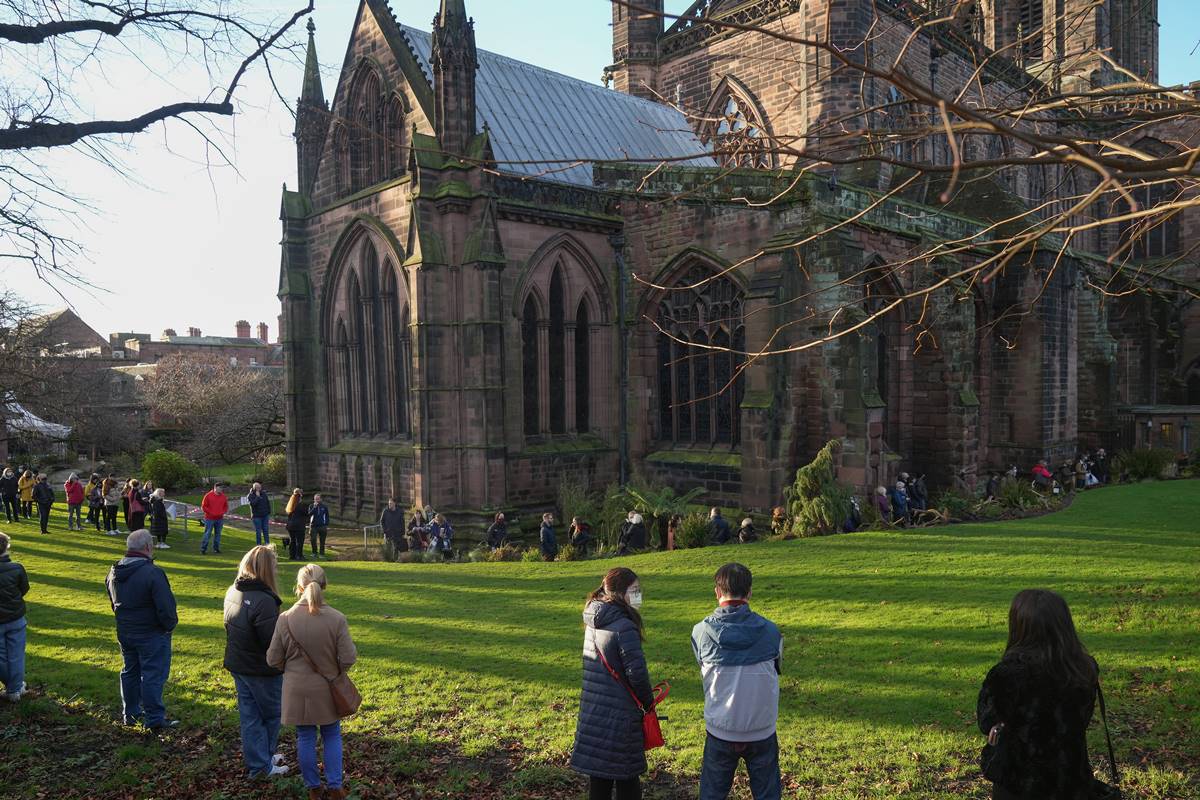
(212, 527)
(262, 530)
(147, 664)
(259, 698)
(306, 754)
(721, 760)
(12, 655)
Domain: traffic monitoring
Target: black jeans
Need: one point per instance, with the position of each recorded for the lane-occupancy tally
(26, 508)
(110, 518)
(96, 515)
(12, 509)
(318, 533)
(44, 515)
(603, 788)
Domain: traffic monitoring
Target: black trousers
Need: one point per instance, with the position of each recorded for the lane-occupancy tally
(96, 516)
(110, 518)
(603, 789)
(44, 515)
(295, 544)
(12, 508)
(26, 508)
(318, 535)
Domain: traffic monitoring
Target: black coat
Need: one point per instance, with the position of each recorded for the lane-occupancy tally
(8, 486)
(14, 585)
(141, 598)
(251, 611)
(43, 493)
(297, 520)
(633, 537)
(160, 523)
(260, 504)
(608, 736)
(547, 541)
(719, 530)
(1042, 750)
(497, 534)
(392, 521)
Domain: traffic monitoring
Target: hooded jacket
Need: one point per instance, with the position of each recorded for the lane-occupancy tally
(74, 492)
(318, 513)
(141, 598)
(739, 653)
(43, 493)
(8, 484)
(25, 487)
(608, 736)
(14, 585)
(251, 611)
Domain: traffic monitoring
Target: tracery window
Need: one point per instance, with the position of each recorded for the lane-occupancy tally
(899, 139)
(700, 390)
(736, 132)
(1030, 31)
(368, 346)
(531, 377)
(883, 368)
(396, 144)
(1155, 236)
(583, 383)
(364, 119)
(557, 355)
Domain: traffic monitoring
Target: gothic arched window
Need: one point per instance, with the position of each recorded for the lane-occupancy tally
(394, 352)
(341, 159)
(557, 355)
(882, 371)
(700, 389)
(1030, 31)
(358, 357)
(531, 379)
(395, 133)
(736, 131)
(898, 127)
(364, 117)
(344, 422)
(1155, 236)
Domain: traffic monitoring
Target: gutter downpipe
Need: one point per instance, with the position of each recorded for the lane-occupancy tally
(617, 240)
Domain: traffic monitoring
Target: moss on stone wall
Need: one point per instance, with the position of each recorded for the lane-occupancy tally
(708, 458)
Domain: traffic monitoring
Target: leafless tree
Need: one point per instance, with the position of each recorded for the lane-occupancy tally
(47, 47)
(228, 413)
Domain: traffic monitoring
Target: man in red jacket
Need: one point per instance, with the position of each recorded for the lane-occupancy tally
(214, 505)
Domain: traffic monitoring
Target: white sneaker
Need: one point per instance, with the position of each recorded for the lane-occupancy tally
(277, 760)
(13, 697)
(166, 546)
(278, 771)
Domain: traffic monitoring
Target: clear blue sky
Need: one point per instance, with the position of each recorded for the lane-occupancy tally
(187, 244)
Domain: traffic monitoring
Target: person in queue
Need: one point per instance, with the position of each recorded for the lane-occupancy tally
(608, 735)
(312, 645)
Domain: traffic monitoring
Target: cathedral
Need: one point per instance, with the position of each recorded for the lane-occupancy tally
(495, 277)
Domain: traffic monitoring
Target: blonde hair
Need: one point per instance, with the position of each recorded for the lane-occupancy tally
(295, 498)
(310, 587)
(260, 563)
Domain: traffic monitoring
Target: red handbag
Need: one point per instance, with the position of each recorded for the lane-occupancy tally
(651, 731)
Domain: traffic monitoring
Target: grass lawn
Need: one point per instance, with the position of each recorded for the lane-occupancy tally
(471, 672)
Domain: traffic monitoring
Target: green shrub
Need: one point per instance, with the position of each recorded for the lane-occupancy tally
(170, 470)
(613, 508)
(1020, 496)
(506, 553)
(568, 553)
(1148, 464)
(574, 500)
(273, 470)
(692, 532)
(817, 504)
(532, 554)
(956, 504)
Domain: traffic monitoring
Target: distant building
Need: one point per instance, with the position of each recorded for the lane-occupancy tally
(241, 349)
(63, 333)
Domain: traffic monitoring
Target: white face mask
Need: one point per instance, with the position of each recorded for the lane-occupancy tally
(634, 599)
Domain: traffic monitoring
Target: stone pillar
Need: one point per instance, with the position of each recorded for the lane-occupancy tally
(569, 369)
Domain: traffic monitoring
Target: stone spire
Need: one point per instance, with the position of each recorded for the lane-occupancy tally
(455, 61)
(312, 117)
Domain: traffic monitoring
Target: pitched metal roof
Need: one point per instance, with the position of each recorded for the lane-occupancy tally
(535, 115)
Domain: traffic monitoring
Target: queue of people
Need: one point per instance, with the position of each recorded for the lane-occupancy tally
(1034, 705)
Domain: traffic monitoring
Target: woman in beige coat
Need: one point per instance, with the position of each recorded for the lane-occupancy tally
(311, 631)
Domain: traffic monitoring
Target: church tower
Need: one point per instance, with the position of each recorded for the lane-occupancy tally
(635, 47)
(312, 118)
(454, 64)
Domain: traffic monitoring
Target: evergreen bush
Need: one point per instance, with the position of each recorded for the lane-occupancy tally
(818, 505)
(1148, 464)
(170, 470)
(273, 470)
(692, 532)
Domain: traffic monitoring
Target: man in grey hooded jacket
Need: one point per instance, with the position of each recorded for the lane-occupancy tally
(740, 655)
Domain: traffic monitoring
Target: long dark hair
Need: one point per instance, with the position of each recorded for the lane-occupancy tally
(612, 590)
(1041, 631)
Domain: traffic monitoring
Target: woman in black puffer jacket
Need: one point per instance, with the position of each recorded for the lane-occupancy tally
(1036, 703)
(608, 737)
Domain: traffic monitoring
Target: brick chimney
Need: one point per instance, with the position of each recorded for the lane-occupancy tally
(168, 333)
(243, 329)
(262, 333)
(194, 332)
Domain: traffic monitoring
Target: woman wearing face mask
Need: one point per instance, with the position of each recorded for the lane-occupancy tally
(608, 737)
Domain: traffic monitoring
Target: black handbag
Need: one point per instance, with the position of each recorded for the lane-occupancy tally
(1100, 789)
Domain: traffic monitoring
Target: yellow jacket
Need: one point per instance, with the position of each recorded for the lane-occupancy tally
(25, 487)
